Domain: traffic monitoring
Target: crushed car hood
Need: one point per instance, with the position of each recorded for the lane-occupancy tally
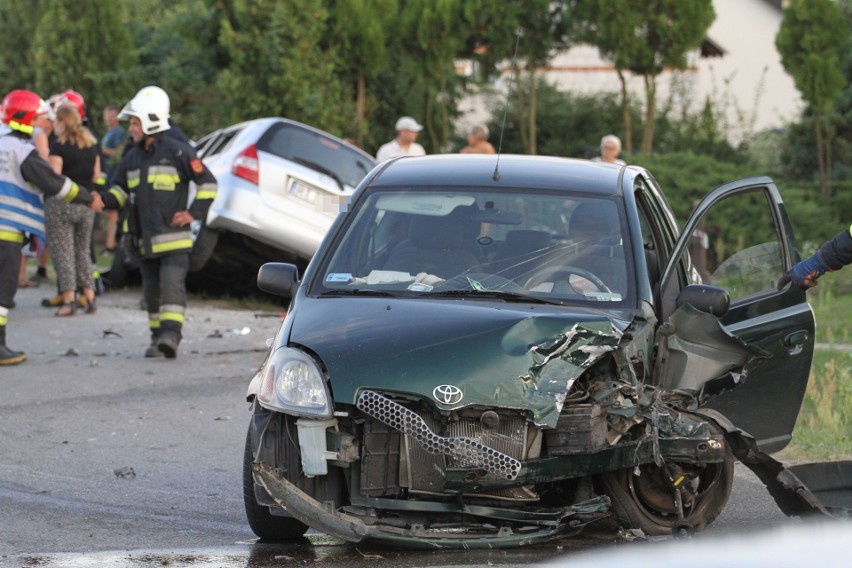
(495, 355)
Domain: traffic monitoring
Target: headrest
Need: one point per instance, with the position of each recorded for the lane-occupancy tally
(592, 219)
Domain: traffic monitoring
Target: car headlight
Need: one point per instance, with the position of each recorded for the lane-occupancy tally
(293, 383)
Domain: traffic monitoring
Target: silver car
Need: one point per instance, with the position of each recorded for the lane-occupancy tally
(281, 184)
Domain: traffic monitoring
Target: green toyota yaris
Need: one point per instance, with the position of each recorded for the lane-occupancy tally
(490, 352)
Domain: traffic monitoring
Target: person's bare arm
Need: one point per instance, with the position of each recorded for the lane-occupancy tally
(55, 163)
(97, 171)
(40, 142)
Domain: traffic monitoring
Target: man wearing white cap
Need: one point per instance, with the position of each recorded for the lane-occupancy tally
(405, 142)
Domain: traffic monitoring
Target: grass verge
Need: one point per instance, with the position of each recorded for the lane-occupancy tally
(824, 429)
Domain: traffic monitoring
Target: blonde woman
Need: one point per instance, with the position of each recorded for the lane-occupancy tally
(73, 153)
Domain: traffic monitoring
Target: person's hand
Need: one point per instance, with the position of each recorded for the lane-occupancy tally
(805, 273)
(182, 218)
(97, 204)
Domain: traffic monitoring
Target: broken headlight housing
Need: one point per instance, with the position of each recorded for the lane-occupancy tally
(293, 383)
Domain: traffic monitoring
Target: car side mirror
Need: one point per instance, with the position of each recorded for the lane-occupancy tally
(278, 278)
(707, 299)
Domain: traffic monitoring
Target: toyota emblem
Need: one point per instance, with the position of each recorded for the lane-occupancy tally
(447, 394)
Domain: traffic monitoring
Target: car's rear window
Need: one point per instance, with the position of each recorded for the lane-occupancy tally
(554, 246)
(312, 149)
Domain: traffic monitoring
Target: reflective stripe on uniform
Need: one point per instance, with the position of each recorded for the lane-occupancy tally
(154, 321)
(68, 192)
(206, 191)
(119, 195)
(132, 179)
(4, 315)
(163, 178)
(172, 312)
(170, 242)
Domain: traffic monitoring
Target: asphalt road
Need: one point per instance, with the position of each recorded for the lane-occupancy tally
(110, 459)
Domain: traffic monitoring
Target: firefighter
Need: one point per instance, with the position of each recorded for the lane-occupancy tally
(832, 255)
(24, 177)
(72, 98)
(152, 180)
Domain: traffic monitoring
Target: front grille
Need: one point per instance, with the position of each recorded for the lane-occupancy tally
(465, 451)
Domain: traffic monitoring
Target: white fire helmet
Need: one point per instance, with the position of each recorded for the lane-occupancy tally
(151, 106)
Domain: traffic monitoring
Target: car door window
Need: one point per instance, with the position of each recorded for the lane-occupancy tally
(657, 230)
(736, 246)
(212, 145)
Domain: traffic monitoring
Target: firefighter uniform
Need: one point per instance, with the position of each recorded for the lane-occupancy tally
(837, 252)
(152, 180)
(24, 177)
(832, 255)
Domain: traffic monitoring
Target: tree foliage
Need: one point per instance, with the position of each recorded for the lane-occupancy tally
(360, 29)
(82, 45)
(646, 37)
(275, 65)
(18, 22)
(178, 50)
(435, 39)
(353, 67)
(812, 40)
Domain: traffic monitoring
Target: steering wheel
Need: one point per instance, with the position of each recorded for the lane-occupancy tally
(561, 278)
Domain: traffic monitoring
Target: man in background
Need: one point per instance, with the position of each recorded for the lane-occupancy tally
(405, 143)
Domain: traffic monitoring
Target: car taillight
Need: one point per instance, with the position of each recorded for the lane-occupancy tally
(246, 165)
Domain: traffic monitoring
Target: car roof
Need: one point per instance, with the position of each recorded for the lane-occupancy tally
(541, 172)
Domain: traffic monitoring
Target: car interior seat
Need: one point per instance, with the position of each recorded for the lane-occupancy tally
(436, 245)
(594, 227)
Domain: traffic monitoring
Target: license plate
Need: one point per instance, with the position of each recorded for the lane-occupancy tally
(304, 192)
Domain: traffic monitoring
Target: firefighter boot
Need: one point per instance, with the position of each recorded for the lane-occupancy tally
(168, 342)
(152, 350)
(7, 356)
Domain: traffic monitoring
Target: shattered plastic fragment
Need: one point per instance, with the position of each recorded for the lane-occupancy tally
(125, 472)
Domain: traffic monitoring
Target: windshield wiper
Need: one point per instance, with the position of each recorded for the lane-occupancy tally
(497, 294)
(320, 168)
(357, 292)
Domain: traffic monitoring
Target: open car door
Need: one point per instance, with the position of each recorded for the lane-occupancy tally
(746, 255)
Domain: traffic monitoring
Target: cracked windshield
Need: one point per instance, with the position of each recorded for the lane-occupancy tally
(523, 244)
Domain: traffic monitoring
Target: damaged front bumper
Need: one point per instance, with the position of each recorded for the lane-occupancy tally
(532, 527)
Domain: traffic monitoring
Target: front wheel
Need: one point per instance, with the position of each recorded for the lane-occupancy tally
(645, 498)
(265, 525)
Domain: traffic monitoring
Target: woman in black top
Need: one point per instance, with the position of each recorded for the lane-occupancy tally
(73, 153)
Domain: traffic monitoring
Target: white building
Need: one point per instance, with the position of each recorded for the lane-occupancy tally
(738, 68)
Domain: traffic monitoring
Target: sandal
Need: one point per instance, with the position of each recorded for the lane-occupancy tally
(90, 308)
(28, 284)
(52, 302)
(67, 310)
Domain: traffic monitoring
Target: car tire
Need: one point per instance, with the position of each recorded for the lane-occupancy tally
(122, 271)
(202, 248)
(645, 501)
(268, 527)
